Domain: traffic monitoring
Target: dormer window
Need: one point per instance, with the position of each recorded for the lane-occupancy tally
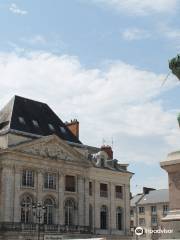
(35, 123)
(63, 130)
(21, 120)
(51, 127)
(102, 162)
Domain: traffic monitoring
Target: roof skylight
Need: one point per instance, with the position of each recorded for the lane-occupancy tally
(51, 127)
(21, 120)
(63, 130)
(35, 123)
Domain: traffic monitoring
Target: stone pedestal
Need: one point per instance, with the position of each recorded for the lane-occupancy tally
(172, 220)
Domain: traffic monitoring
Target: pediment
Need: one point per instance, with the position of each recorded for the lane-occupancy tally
(50, 147)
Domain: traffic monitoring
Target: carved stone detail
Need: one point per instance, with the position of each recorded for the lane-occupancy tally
(176, 180)
(50, 150)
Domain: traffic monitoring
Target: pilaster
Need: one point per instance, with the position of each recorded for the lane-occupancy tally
(61, 187)
(7, 193)
(81, 202)
(86, 207)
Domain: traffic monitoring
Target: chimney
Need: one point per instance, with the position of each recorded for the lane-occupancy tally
(73, 126)
(146, 190)
(108, 150)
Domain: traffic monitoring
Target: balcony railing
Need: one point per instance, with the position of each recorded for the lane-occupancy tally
(20, 227)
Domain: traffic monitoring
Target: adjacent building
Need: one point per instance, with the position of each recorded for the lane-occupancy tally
(148, 209)
(51, 184)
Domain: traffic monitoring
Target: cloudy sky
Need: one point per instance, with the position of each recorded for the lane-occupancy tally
(102, 62)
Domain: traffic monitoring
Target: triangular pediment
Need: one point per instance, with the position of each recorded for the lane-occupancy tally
(50, 147)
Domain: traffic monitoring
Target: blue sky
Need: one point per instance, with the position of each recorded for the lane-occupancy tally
(102, 62)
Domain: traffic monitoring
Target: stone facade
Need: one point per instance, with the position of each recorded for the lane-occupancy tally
(172, 220)
(51, 154)
(147, 210)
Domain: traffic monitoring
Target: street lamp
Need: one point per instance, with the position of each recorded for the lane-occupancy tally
(39, 210)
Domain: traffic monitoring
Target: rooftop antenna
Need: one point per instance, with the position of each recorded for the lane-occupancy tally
(166, 78)
(112, 143)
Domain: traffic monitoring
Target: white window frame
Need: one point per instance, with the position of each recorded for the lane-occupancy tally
(29, 178)
(50, 180)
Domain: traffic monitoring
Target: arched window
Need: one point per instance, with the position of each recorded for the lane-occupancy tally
(26, 209)
(48, 214)
(90, 216)
(104, 217)
(119, 218)
(69, 212)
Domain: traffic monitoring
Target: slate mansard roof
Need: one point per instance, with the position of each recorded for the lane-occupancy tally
(155, 196)
(31, 117)
(136, 199)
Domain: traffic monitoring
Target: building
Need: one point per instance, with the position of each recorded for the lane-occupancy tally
(172, 221)
(147, 210)
(51, 184)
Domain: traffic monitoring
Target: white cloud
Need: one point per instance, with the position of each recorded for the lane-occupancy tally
(15, 9)
(135, 34)
(173, 33)
(169, 31)
(170, 34)
(36, 39)
(140, 7)
(121, 101)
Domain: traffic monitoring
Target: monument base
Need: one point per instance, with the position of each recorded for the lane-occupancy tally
(171, 223)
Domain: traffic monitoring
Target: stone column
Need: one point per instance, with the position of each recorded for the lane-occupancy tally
(112, 213)
(61, 187)
(81, 200)
(86, 206)
(126, 213)
(172, 220)
(17, 184)
(39, 184)
(7, 193)
(96, 205)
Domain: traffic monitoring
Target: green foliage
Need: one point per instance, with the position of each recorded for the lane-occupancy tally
(174, 65)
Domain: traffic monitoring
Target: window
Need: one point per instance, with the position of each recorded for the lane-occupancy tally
(63, 130)
(103, 217)
(51, 127)
(132, 224)
(21, 120)
(35, 123)
(90, 188)
(90, 216)
(132, 212)
(153, 209)
(50, 181)
(141, 210)
(26, 209)
(103, 190)
(48, 214)
(165, 209)
(28, 178)
(69, 212)
(141, 221)
(70, 183)
(119, 218)
(154, 220)
(119, 192)
(102, 162)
